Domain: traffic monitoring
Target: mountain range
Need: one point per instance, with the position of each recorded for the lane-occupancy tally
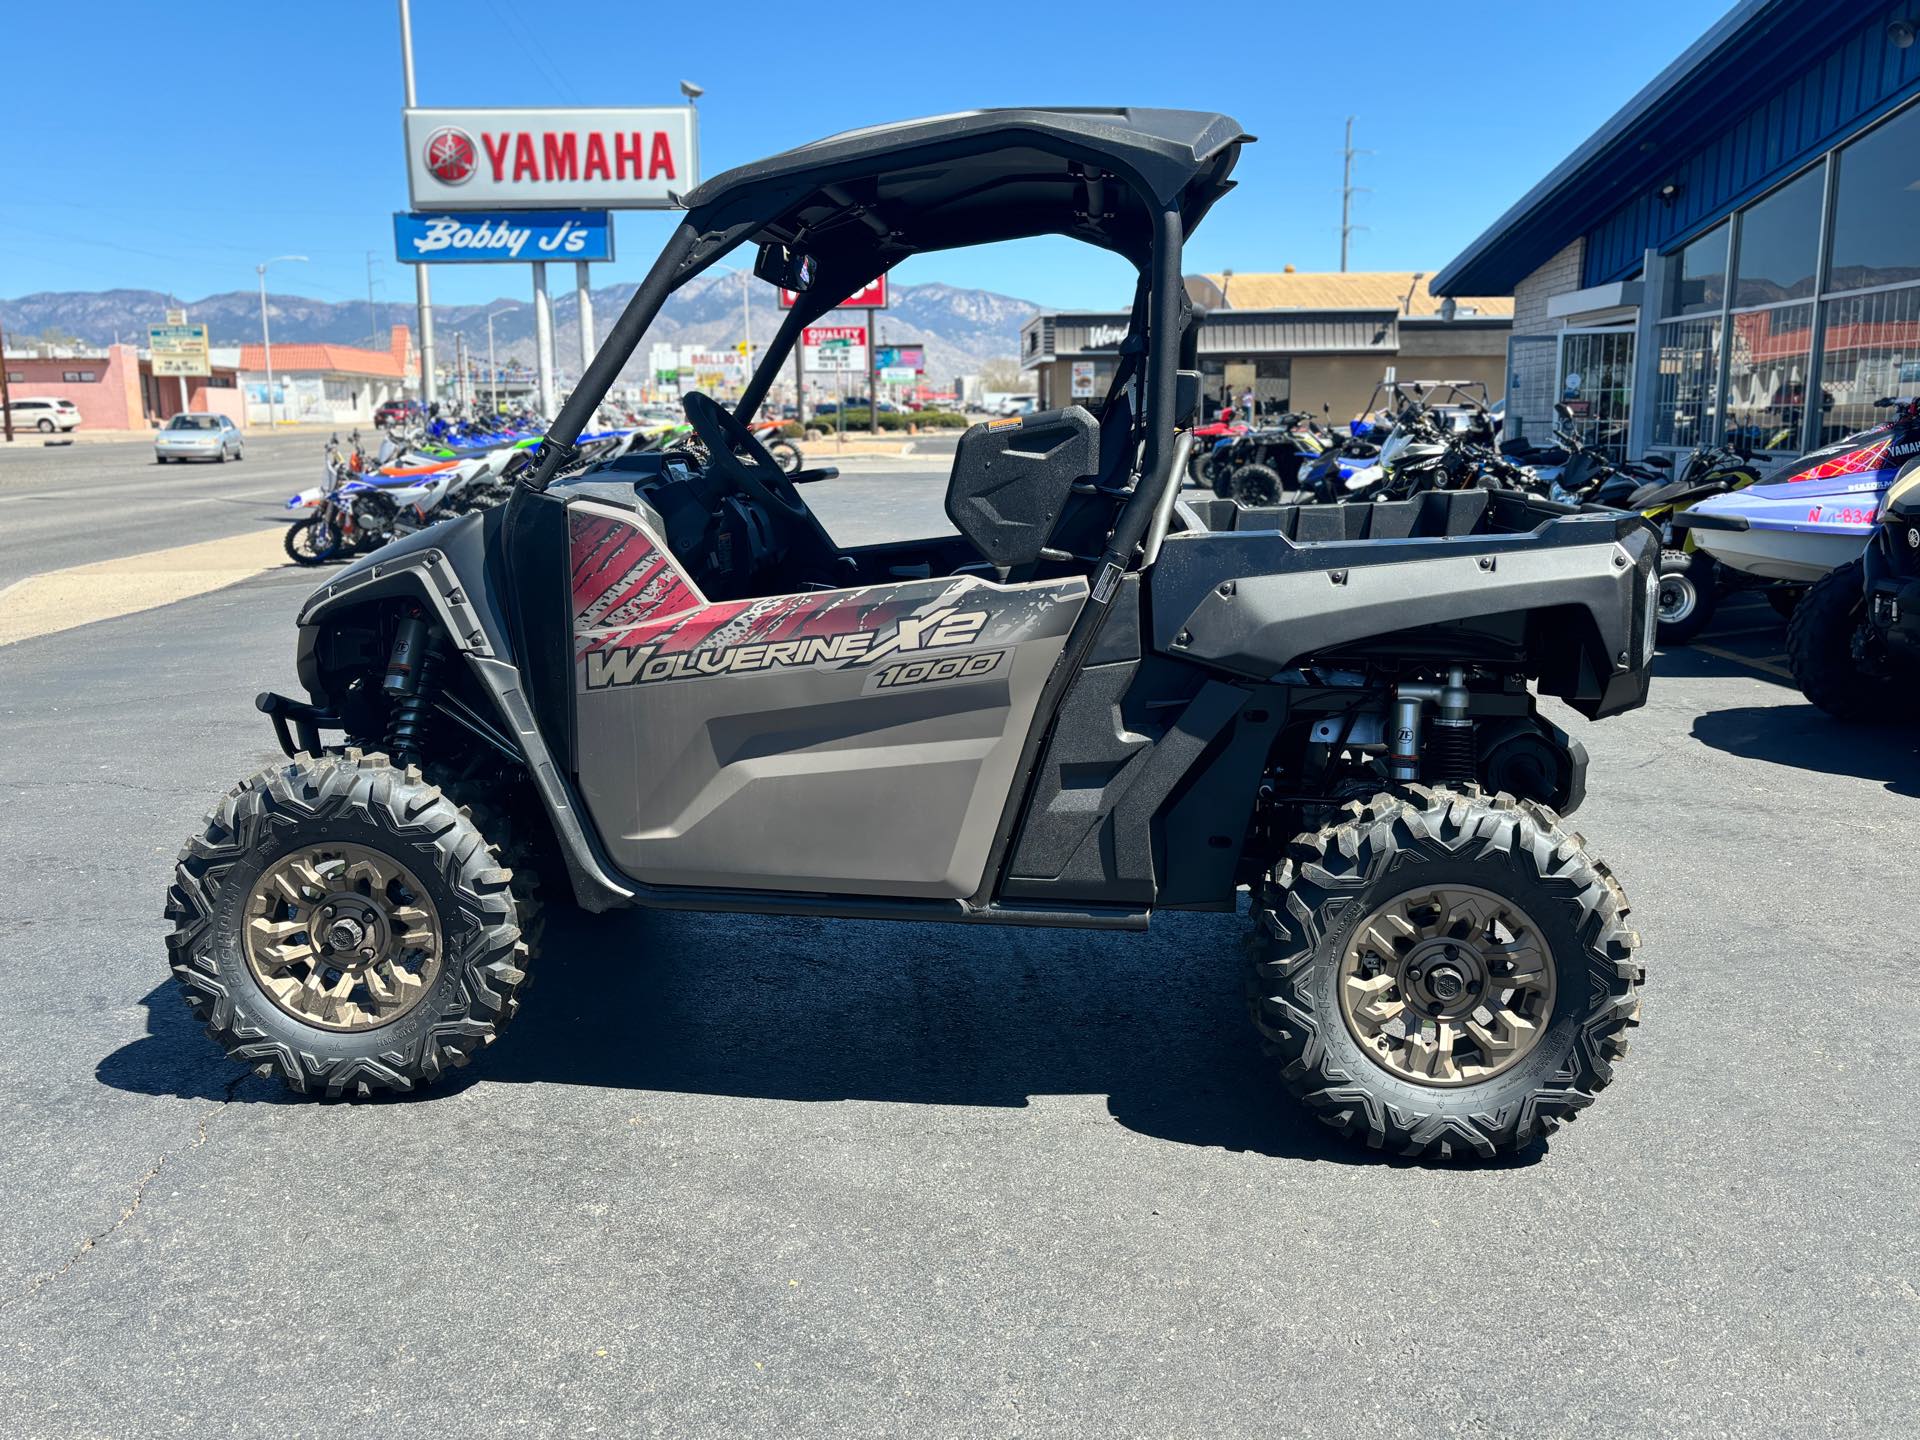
(961, 329)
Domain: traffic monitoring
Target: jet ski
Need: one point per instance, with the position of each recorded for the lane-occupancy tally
(1800, 525)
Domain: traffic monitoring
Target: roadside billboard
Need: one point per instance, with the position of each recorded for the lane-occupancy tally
(453, 237)
(539, 159)
(834, 347)
(901, 357)
(873, 297)
(179, 349)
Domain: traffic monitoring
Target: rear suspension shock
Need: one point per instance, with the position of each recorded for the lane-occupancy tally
(411, 682)
(1447, 752)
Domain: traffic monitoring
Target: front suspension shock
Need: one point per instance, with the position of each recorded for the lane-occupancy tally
(411, 683)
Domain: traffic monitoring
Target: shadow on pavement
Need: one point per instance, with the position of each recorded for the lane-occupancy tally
(1807, 738)
(818, 1010)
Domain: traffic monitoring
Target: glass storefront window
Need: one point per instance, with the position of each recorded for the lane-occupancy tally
(1697, 281)
(1871, 350)
(1770, 354)
(1780, 243)
(1685, 399)
(1876, 212)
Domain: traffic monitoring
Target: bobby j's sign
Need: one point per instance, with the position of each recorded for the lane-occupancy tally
(423, 238)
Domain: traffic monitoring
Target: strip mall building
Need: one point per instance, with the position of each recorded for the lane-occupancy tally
(1735, 256)
(1297, 341)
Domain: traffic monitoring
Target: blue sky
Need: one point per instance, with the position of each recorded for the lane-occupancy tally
(172, 149)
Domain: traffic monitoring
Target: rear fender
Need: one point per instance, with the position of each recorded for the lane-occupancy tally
(1256, 604)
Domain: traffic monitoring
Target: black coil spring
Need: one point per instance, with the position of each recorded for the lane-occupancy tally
(407, 722)
(1449, 754)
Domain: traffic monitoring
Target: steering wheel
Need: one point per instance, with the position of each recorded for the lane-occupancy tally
(760, 475)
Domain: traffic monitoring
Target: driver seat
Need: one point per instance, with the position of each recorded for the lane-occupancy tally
(1032, 490)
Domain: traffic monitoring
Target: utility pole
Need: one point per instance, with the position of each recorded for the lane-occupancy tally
(6, 395)
(1347, 191)
(423, 289)
(373, 325)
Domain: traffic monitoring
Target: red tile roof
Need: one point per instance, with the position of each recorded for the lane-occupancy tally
(394, 363)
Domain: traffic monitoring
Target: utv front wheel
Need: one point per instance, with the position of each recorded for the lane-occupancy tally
(341, 923)
(1443, 971)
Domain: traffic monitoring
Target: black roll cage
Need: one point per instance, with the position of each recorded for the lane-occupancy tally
(1160, 324)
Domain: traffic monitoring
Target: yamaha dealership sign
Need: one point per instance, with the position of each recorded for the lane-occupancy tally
(465, 236)
(494, 159)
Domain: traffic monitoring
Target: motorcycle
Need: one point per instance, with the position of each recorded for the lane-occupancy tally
(1691, 581)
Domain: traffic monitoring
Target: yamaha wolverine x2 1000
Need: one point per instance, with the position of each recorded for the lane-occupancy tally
(658, 680)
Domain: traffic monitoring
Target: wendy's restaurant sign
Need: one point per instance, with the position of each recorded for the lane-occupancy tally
(467, 236)
(494, 159)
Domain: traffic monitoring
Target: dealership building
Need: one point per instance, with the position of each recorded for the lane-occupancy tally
(1298, 341)
(1735, 256)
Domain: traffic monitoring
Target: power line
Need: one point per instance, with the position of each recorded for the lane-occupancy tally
(1347, 191)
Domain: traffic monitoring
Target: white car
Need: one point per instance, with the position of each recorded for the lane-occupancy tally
(45, 413)
(198, 437)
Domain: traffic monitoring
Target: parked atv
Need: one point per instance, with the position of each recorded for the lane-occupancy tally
(1854, 641)
(659, 680)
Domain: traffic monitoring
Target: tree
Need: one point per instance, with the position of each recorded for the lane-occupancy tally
(1003, 376)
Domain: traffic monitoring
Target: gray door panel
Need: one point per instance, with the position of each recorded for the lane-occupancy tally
(850, 741)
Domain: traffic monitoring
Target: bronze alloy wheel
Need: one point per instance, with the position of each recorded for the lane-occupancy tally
(342, 937)
(1446, 985)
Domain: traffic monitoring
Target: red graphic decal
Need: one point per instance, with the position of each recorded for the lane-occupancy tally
(628, 592)
(1854, 462)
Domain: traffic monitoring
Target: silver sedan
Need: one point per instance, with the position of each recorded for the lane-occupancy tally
(199, 437)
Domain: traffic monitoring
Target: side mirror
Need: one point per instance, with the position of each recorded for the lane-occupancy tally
(1563, 412)
(789, 269)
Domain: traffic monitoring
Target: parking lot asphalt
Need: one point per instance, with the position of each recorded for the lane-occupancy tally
(746, 1175)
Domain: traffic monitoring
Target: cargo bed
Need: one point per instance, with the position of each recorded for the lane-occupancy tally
(1571, 589)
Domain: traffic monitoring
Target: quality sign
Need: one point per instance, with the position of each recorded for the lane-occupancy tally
(426, 237)
(493, 159)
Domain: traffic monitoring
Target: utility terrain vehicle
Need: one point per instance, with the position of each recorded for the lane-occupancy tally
(659, 681)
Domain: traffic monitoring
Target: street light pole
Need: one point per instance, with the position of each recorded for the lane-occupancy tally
(422, 287)
(493, 370)
(266, 339)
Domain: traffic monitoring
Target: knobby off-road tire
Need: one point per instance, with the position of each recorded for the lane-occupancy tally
(1820, 647)
(1200, 465)
(307, 543)
(1258, 485)
(786, 455)
(1688, 595)
(1512, 851)
(396, 821)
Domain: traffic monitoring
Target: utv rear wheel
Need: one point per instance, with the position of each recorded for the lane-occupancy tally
(1444, 971)
(1820, 640)
(1257, 485)
(1688, 595)
(341, 923)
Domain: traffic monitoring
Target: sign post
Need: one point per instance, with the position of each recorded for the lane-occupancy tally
(180, 350)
